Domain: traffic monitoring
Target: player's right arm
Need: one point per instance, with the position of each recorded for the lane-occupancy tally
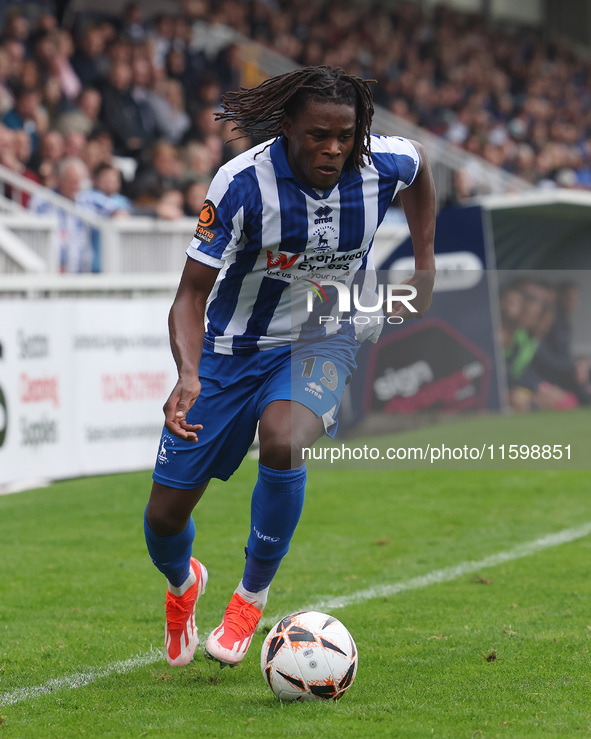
(186, 325)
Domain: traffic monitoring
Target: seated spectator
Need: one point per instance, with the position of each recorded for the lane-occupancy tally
(74, 233)
(74, 144)
(105, 198)
(142, 90)
(26, 115)
(95, 154)
(45, 161)
(15, 153)
(17, 27)
(162, 171)
(198, 161)
(83, 118)
(232, 144)
(170, 205)
(16, 52)
(120, 113)
(88, 59)
(527, 313)
(194, 192)
(554, 359)
(61, 67)
(133, 25)
(203, 123)
(168, 105)
(6, 96)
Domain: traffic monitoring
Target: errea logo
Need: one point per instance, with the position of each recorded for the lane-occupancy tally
(323, 215)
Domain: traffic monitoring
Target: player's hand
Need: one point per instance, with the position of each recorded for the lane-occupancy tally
(177, 406)
(422, 281)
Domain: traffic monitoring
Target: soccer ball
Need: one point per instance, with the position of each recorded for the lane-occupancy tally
(309, 656)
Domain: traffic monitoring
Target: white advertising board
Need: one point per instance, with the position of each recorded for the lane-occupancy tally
(82, 384)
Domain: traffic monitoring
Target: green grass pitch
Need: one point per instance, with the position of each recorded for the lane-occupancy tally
(501, 652)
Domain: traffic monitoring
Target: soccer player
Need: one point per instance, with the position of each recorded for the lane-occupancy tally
(306, 203)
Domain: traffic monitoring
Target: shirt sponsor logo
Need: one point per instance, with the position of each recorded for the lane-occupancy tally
(207, 221)
(321, 262)
(281, 260)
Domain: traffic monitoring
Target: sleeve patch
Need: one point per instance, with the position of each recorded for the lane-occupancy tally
(207, 222)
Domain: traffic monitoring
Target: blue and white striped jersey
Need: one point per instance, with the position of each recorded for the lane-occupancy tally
(271, 236)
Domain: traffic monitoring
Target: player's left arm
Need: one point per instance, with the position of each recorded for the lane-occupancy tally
(420, 208)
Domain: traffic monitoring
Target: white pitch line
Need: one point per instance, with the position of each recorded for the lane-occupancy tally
(81, 678)
(447, 574)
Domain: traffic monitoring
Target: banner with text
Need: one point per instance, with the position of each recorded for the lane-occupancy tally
(82, 384)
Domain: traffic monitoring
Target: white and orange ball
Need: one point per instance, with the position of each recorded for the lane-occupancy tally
(309, 656)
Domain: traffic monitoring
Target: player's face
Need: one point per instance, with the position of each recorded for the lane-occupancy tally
(320, 138)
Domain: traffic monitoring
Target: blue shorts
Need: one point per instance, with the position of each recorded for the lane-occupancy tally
(235, 389)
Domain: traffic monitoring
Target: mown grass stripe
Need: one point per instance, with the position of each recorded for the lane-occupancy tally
(446, 574)
(81, 678)
(92, 674)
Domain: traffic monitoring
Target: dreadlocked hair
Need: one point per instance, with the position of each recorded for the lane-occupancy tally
(258, 111)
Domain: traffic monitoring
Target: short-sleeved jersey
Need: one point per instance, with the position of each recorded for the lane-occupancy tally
(268, 232)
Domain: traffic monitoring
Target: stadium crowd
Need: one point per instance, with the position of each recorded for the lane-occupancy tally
(118, 114)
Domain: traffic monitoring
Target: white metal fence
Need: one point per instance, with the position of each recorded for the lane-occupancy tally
(136, 245)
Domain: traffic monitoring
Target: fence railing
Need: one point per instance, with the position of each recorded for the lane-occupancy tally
(136, 245)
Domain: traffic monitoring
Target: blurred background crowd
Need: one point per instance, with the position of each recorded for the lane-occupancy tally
(536, 334)
(123, 108)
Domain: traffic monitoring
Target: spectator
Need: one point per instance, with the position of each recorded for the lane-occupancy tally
(133, 25)
(162, 172)
(120, 113)
(168, 105)
(198, 161)
(84, 117)
(527, 314)
(74, 235)
(105, 198)
(554, 359)
(15, 153)
(74, 144)
(61, 66)
(16, 28)
(203, 124)
(194, 192)
(46, 160)
(6, 96)
(95, 154)
(16, 57)
(161, 40)
(142, 91)
(26, 115)
(88, 60)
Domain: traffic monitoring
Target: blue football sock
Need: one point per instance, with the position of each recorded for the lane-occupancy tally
(276, 507)
(171, 554)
